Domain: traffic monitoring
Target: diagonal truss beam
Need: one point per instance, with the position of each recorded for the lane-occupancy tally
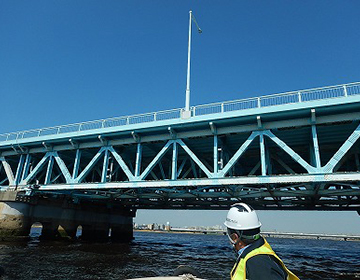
(238, 154)
(194, 158)
(64, 170)
(87, 169)
(49, 170)
(157, 158)
(8, 171)
(295, 156)
(122, 164)
(328, 168)
(37, 168)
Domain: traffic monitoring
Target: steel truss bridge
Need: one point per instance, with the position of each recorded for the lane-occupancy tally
(295, 150)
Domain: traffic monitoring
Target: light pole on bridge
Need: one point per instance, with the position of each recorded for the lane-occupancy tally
(187, 114)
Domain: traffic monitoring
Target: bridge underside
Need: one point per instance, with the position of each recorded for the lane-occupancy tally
(312, 196)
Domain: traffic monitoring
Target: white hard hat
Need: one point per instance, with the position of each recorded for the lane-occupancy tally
(242, 217)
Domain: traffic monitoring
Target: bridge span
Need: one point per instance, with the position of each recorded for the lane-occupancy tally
(297, 150)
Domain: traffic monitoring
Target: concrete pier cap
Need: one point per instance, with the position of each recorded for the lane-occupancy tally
(60, 218)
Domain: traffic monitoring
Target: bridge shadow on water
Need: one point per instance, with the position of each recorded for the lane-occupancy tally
(156, 254)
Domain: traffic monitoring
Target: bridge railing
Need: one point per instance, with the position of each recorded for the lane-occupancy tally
(206, 109)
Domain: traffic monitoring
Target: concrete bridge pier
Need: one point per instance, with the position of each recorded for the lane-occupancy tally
(95, 232)
(122, 233)
(49, 230)
(14, 219)
(96, 226)
(61, 218)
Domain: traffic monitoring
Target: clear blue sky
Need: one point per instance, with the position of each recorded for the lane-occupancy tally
(69, 61)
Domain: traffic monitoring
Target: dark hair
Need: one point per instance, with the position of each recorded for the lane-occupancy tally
(247, 236)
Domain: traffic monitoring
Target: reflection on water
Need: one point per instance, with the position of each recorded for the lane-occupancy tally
(155, 254)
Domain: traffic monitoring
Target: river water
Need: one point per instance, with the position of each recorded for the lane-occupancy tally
(158, 254)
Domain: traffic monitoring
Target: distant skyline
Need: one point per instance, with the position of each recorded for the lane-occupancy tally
(335, 222)
(69, 61)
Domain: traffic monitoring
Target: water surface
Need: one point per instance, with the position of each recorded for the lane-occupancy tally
(158, 254)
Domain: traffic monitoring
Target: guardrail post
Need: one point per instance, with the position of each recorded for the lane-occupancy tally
(127, 120)
(103, 123)
(258, 102)
(299, 94)
(39, 132)
(345, 91)
(194, 110)
(58, 130)
(79, 127)
(155, 116)
(222, 107)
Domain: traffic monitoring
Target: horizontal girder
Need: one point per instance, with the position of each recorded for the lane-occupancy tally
(285, 197)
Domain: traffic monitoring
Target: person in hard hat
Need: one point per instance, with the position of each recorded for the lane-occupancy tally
(256, 260)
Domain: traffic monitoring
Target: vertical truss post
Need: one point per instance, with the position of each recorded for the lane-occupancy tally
(357, 161)
(105, 166)
(49, 170)
(76, 164)
(25, 172)
(138, 160)
(216, 155)
(181, 167)
(19, 170)
(174, 161)
(162, 170)
(316, 146)
(268, 161)
(193, 167)
(262, 155)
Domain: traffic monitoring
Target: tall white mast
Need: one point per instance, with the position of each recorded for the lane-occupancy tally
(187, 98)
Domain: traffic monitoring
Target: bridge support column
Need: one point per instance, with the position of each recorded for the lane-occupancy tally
(96, 226)
(122, 233)
(95, 232)
(60, 218)
(14, 219)
(49, 231)
(122, 226)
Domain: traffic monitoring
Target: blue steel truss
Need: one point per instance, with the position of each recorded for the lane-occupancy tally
(298, 150)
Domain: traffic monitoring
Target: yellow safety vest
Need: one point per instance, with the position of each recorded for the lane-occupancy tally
(239, 270)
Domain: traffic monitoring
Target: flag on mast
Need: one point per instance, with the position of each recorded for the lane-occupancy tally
(194, 20)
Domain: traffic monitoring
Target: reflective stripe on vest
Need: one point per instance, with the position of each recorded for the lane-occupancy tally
(239, 270)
